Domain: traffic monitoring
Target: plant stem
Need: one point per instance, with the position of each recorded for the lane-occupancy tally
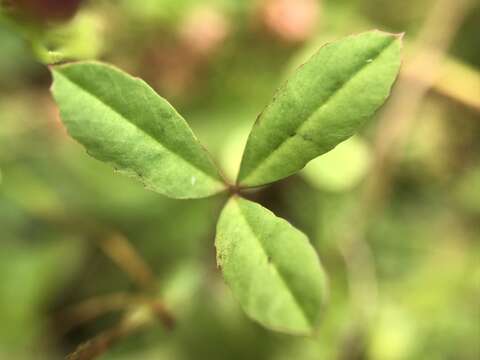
(134, 321)
(117, 247)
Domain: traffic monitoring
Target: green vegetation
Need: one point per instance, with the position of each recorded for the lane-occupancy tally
(342, 224)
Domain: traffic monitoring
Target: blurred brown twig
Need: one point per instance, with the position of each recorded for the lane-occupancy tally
(135, 320)
(396, 121)
(117, 247)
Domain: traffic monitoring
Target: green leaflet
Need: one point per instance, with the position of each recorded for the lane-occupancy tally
(270, 266)
(324, 103)
(121, 120)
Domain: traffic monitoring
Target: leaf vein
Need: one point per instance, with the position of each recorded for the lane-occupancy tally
(146, 133)
(268, 157)
(277, 271)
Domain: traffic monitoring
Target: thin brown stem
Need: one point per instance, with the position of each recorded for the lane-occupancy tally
(119, 249)
(139, 318)
(456, 80)
(394, 128)
(93, 308)
(398, 116)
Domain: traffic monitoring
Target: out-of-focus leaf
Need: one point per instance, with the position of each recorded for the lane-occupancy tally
(340, 169)
(155, 11)
(181, 285)
(31, 193)
(79, 39)
(18, 59)
(231, 155)
(121, 120)
(324, 103)
(30, 277)
(467, 191)
(394, 334)
(270, 266)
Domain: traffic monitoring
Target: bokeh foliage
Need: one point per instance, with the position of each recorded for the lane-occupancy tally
(219, 62)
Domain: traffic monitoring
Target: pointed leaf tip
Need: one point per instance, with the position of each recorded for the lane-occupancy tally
(119, 119)
(271, 268)
(325, 102)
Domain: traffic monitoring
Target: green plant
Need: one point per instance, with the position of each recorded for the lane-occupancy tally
(270, 266)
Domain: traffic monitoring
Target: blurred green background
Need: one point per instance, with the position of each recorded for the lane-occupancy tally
(394, 212)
